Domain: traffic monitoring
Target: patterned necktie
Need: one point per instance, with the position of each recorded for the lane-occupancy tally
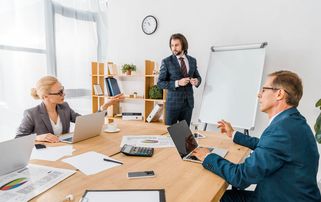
(183, 67)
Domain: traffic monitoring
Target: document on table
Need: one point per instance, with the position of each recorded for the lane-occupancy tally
(26, 183)
(124, 195)
(154, 141)
(52, 153)
(91, 162)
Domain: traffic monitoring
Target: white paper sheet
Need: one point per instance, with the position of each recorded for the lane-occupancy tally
(91, 162)
(52, 153)
(122, 196)
(154, 141)
(26, 183)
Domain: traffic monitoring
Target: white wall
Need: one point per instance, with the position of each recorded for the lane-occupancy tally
(291, 27)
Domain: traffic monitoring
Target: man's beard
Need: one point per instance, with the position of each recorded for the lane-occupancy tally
(178, 53)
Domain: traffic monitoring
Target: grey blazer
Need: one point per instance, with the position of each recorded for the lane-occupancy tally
(36, 120)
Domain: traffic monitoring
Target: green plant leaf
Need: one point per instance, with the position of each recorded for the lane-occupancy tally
(317, 125)
(318, 137)
(318, 104)
(155, 92)
(127, 67)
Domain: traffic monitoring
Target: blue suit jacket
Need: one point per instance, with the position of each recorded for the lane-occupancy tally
(283, 164)
(169, 73)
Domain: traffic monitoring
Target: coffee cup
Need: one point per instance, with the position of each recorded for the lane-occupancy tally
(112, 127)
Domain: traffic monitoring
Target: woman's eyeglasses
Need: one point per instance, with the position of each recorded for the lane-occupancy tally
(60, 93)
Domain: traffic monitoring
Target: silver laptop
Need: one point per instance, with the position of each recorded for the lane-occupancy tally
(15, 154)
(87, 126)
(185, 142)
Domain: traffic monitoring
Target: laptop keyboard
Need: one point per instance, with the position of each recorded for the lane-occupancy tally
(68, 139)
(193, 158)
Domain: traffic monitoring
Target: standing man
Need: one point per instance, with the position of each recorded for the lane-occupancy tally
(178, 74)
(284, 161)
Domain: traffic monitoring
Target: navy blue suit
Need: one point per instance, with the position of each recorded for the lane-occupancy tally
(283, 164)
(180, 100)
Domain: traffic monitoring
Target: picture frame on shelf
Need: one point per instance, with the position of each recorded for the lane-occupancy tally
(112, 69)
(97, 90)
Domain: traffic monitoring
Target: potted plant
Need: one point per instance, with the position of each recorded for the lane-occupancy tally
(317, 125)
(128, 68)
(155, 92)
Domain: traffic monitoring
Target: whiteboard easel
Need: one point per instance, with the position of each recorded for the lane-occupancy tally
(233, 79)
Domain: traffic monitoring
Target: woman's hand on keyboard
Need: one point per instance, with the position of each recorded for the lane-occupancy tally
(48, 137)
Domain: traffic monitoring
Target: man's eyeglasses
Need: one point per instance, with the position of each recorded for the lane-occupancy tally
(61, 92)
(271, 88)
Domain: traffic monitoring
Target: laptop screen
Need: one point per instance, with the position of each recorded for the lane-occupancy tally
(183, 138)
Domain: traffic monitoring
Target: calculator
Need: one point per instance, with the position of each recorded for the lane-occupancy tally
(130, 150)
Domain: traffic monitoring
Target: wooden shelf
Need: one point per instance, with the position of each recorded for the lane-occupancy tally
(126, 97)
(132, 98)
(155, 100)
(98, 77)
(114, 118)
(119, 75)
(153, 75)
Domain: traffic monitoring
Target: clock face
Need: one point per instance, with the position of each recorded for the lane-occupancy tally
(149, 24)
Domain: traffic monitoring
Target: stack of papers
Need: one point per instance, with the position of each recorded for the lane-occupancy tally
(52, 153)
(154, 141)
(138, 195)
(91, 162)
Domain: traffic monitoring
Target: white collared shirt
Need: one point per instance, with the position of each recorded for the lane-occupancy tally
(271, 119)
(56, 127)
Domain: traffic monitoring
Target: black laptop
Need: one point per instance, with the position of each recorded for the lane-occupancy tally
(185, 142)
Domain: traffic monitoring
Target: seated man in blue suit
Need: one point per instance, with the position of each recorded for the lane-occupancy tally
(178, 74)
(284, 161)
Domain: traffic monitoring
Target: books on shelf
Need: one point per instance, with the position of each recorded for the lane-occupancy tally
(155, 114)
(132, 116)
(112, 86)
(98, 90)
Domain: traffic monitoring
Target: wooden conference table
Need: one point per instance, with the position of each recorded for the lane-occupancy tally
(182, 180)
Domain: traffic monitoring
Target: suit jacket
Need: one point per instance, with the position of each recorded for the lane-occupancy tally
(36, 120)
(283, 164)
(170, 71)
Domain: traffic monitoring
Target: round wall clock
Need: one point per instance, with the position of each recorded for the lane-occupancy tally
(149, 24)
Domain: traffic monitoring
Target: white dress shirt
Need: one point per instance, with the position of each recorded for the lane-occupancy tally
(57, 127)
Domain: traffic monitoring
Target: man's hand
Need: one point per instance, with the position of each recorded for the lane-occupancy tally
(48, 137)
(183, 81)
(225, 127)
(194, 81)
(112, 101)
(201, 153)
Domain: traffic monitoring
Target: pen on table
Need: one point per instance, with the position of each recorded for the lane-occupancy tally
(112, 161)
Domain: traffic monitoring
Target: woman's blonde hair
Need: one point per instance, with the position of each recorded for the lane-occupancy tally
(43, 87)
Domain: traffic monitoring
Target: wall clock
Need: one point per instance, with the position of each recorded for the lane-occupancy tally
(149, 24)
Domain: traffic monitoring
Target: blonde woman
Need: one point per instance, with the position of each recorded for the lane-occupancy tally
(53, 116)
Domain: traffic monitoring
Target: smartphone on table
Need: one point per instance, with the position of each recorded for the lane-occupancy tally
(140, 174)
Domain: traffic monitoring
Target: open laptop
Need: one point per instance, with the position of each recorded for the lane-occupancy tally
(185, 142)
(15, 154)
(86, 126)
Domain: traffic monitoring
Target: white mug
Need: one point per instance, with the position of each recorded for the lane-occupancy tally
(112, 126)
